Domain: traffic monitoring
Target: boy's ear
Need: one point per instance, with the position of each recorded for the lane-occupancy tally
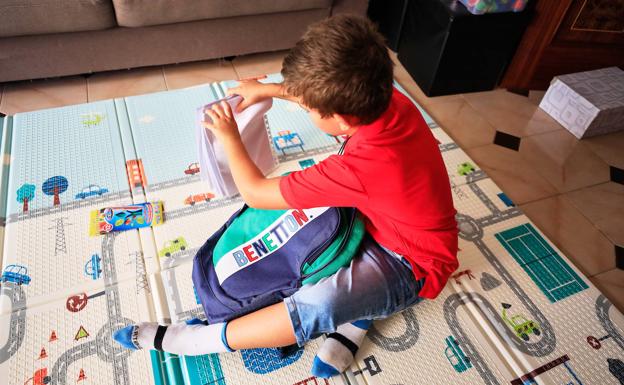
(346, 122)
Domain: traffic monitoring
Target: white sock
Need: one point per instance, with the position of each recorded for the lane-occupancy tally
(182, 338)
(338, 350)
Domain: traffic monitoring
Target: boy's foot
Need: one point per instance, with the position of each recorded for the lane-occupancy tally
(190, 338)
(338, 351)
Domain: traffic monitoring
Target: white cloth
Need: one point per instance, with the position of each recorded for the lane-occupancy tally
(213, 164)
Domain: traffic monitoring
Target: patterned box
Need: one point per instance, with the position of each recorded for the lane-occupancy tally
(587, 103)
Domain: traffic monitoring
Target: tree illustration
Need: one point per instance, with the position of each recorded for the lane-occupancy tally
(55, 186)
(25, 194)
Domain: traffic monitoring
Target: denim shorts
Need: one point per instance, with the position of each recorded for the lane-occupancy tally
(375, 285)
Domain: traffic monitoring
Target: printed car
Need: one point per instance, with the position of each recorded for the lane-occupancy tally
(17, 274)
(173, 246)
(203, 197)
(465, 168)
(192, 169)
(91, 190)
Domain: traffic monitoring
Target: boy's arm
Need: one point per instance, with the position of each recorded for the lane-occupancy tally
(256, 190)
(253, 92)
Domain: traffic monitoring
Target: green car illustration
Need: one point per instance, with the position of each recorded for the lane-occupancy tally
(465, 168)
(171, 247)
(520, 325)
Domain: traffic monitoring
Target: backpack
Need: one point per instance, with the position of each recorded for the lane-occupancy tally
(259, 257)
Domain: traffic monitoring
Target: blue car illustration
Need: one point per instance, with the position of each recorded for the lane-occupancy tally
(91, 190)
(93, 268)
(17, 274)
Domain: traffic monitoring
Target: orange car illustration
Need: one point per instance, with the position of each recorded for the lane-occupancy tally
(192, 199)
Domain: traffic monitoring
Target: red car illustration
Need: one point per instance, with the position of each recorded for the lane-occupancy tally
(192, 169)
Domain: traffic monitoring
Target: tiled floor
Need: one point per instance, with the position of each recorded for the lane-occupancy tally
(561, 183)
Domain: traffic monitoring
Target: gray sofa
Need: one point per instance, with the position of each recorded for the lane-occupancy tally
(47, 38)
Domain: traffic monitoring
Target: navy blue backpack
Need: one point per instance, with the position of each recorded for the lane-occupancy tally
(259, 257)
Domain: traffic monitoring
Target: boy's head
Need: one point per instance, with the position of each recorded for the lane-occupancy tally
(341, 67)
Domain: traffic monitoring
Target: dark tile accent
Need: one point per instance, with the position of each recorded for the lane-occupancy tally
(619, 257)
(509, 141)
(617, 174)
(519, 91)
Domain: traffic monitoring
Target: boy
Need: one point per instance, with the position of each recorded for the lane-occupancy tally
(391, 170)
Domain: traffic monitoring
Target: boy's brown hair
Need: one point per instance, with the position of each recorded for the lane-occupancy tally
(341, 66)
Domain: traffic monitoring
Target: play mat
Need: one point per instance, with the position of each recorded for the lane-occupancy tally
(516, 312)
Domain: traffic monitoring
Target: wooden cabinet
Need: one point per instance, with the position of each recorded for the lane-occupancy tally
(567, 36)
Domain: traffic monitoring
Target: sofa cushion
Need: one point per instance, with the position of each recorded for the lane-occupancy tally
(34, 17)
(140, 13)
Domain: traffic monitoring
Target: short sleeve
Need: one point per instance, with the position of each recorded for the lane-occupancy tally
(329, 183)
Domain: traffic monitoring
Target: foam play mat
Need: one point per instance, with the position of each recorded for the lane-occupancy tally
(516, 312)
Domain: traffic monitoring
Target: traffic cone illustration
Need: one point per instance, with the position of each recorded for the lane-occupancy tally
(82, 375)
(43, 354)
(53, 336)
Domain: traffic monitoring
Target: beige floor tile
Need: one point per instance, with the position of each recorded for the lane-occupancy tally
(509, 170)
(567, 163)
(467, 127)
(511, 113)
(603, 205)
(535, 97)
(247, 66)
(609, 147)
(191, 74)
(39, 94)
(611, 284)
(116, 84)
(576, 236)
(405, 80)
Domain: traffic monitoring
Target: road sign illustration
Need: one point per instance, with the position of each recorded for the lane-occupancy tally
(75, 303)
(81, 333)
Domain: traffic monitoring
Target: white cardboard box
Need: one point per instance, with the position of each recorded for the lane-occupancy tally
(587, 103)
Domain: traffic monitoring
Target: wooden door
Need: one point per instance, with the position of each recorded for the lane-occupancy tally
(567, 36)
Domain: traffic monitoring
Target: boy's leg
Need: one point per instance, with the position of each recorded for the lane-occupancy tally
(375, 285)
(339, 349)
(266, 328)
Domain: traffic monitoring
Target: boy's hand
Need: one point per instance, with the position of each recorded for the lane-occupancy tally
(222, 124)
(252, 92)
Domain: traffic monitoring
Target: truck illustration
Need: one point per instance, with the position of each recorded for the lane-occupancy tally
(286, 139)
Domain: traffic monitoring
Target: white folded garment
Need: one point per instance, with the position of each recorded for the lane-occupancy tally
(213, 164)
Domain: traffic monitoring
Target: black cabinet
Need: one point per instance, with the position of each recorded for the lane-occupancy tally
(389, 16)
(448, 50)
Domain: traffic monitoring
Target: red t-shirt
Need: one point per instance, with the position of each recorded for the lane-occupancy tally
(392, 171)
